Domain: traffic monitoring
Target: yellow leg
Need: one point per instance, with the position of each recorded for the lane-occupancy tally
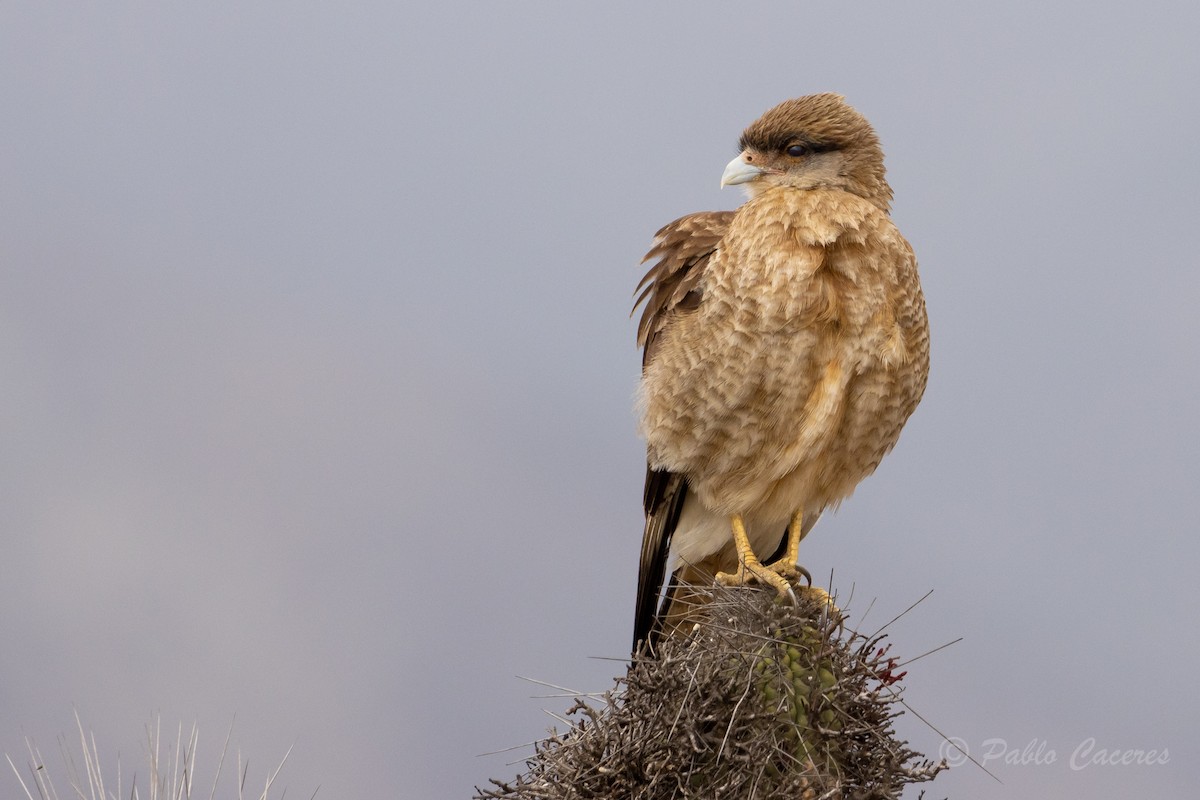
(749, 567)
(786, 567)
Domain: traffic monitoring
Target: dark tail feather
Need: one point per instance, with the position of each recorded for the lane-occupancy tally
(665, 493)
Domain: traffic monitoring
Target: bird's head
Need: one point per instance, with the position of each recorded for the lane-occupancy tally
(811, 142)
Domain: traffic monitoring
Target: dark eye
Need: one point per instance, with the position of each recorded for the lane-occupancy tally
(797, 150)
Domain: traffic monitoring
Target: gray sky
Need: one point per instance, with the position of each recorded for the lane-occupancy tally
(318, 374)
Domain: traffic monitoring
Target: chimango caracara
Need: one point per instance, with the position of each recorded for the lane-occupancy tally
(785, 345)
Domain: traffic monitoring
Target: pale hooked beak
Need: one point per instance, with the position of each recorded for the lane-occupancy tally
(738, 171)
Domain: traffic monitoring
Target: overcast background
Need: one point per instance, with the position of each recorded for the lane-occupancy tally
(316, 373)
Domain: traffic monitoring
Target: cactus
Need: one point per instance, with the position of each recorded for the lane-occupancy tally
(763, 699)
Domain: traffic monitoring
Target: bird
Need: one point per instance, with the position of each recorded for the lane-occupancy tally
(784, 346)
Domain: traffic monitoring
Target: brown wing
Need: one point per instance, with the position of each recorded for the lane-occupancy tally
(672, 286)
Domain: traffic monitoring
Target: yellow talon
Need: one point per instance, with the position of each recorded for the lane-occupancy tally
(821, 596)
(749, 567)
(778, 574)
